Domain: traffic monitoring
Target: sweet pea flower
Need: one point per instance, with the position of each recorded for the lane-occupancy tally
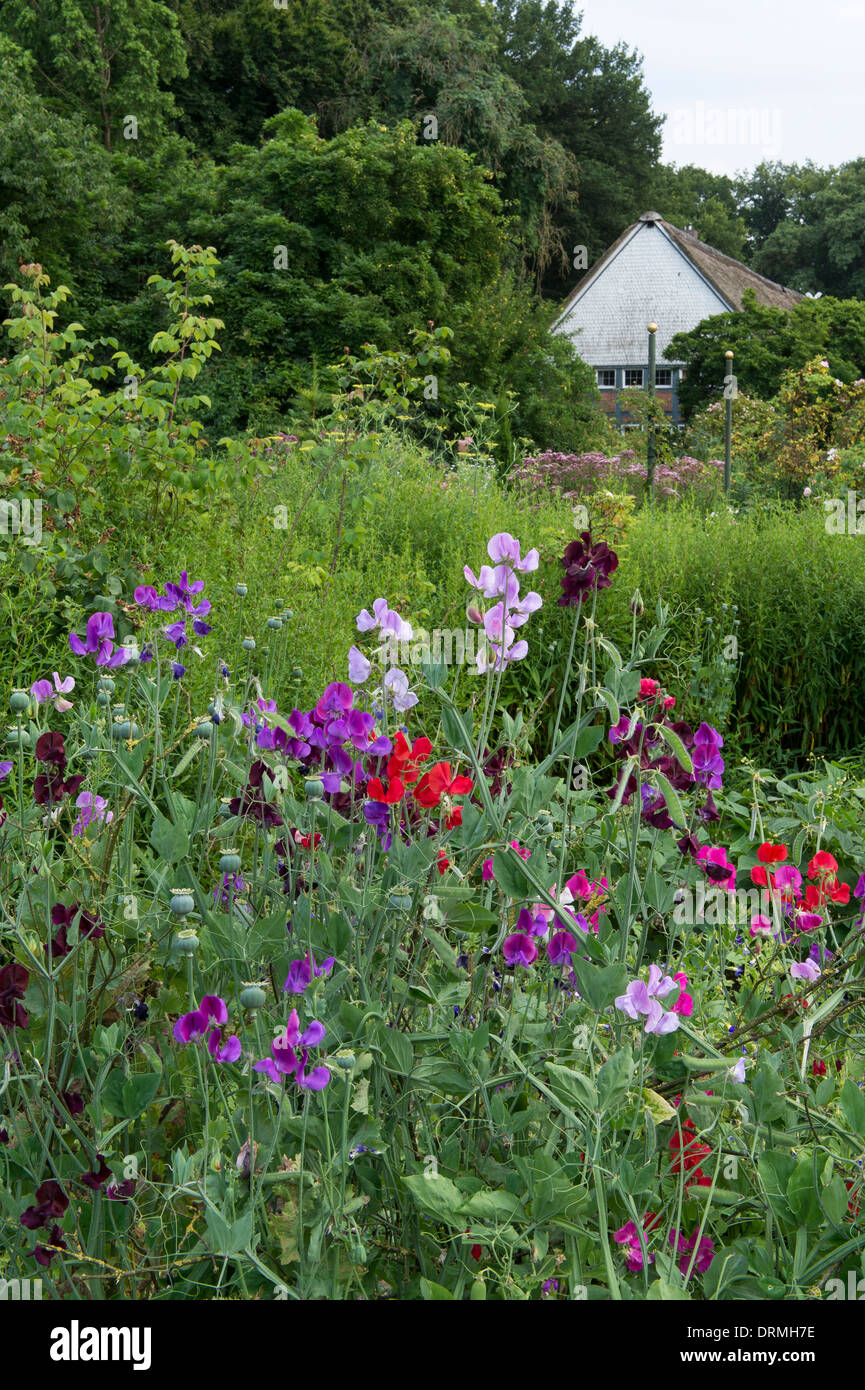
(100, 641)
(42, 691)
(520, 949)
(358, 666)
(302, 972)
(737, 1073)
(90, 808)
(208, 1018)
(285, 1062)
(805, 970)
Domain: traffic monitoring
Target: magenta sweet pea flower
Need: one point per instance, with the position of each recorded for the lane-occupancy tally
(285, 1062)
(302, 972)
(561, 947)
(100, 641)
(684, 1005)
(211, 1010)
(520, 949)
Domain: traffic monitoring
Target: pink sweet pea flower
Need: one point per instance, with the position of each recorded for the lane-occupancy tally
(42, 691)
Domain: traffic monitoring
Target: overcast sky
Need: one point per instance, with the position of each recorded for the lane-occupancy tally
(747, 80)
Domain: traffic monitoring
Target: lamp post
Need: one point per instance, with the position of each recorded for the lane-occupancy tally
(650, 442)
(729, 389)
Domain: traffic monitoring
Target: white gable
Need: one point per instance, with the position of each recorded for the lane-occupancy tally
(647, 280)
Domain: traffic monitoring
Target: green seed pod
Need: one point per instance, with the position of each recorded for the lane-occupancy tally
(248, 644)
(297, 674)
(479, 1291)
(287, 614)
(19, 701)
(102, 698)
(241, 590)
(274, 623)
(346, 1060)
(400, 902)
(107, 684)
(186, 942)
(182, 902)
(229, 862)
(313, 788)
(204, 730)
(253, 997)
(18, 738)
(121, 730)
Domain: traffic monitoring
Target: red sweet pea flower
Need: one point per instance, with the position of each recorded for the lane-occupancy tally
(395, 791)
(839, 892)
(772, 854)
(692, 1153)
(443, 863)
(305, 841)
(438, 782)
(454, 818)
(404, 761)
(759, 876)
(818, 1068)
(822, 864)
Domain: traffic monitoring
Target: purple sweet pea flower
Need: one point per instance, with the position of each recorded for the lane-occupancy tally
(5, 768)
(228, 1051)
(520, 949)
(358, 666)
(301, 972)
(561, 947)
(90, 808)
(805, 970)
(212, 1009)
(100, 641)
(43, 690)
(284, 1061)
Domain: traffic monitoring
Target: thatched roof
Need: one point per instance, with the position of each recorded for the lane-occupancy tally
(728, 277)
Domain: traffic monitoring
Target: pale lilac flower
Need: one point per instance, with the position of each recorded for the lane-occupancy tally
(358, 666)
(42, 691)
(503, 549)
(805, 970)
(90, 808)
(737, 1073)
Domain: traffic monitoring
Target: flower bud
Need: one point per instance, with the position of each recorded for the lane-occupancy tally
(474, 614)
(19, 701)
(637, 607)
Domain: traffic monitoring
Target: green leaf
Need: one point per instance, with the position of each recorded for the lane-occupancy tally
(437, 1196)
(572, 1087)
(599, 987)
(229, 1238)
(432, 1292)
(130, 1096)
(614, 1078)
(853, 1106)
(510, 875)
(170, 841)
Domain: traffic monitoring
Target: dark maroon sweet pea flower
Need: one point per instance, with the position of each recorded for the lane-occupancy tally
(96, 1177)
(14, 980)
(51, 1203)
(120, 1191)
(587, 567)
(51, 748)
(44, 1256)
(73, 1101)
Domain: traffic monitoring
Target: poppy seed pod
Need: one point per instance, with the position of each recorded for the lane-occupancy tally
(182, 902)
(297, 674)
(313, 789)
(241, 590)
(346, 1060)
(121, 730)
(107, 684)
(252, 996)
(275, 623)
(18, 737)
(229, 862)
(102, 698)
(186, 942)
(19, 701)
(204, 729)
(287, 614)
(248, 644)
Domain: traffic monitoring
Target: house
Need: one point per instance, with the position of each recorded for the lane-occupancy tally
(658, 273)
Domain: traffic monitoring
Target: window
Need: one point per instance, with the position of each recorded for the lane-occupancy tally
(633, 376)
(606, 378)
(631, 427)
(663, 376)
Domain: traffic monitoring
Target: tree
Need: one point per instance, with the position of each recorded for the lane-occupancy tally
(766, 342)
(689, 196)
(59, 201)
(820, 245)
(109, 60)
(329, 243)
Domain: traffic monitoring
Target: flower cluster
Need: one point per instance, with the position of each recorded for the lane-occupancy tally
(587, 567)
(51, 1203)
(499, 581)
(641, 999)
(284, 1061)
(52, 785)
(207, 1020)
(392, 629)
